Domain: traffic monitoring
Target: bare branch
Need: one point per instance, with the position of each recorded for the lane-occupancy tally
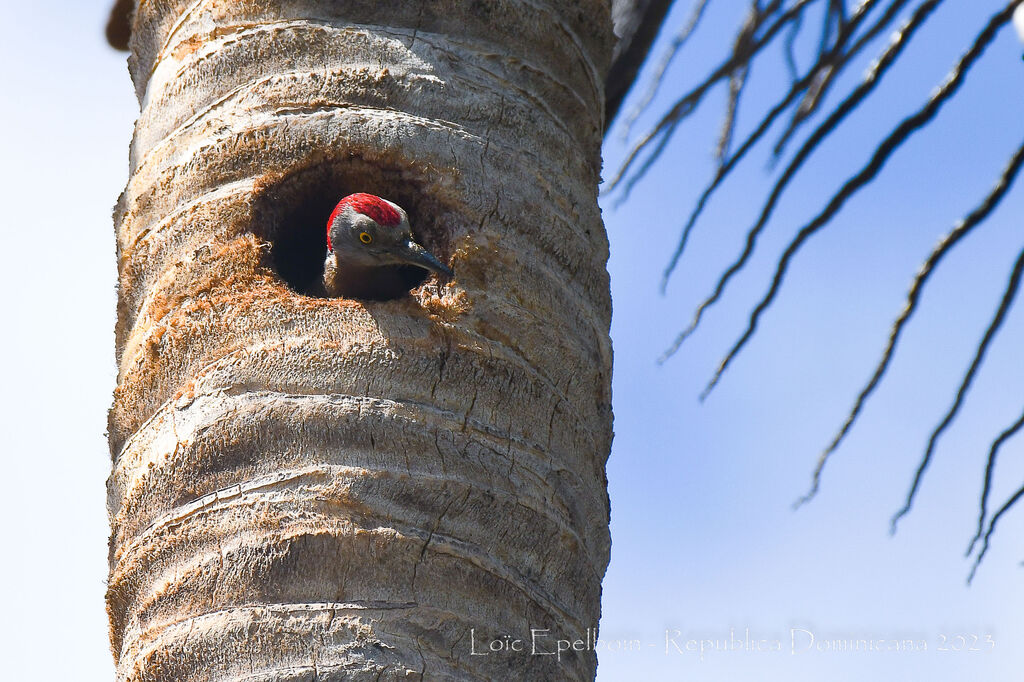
(999, 513)
(686, 104)
(816, 93)
(839, 8)
(990, 466)
(736, 84)
(997, 321)
(882, 153)
(827, 28)
(738, 78)
(871, 80)
(720, 175)
(659, 73)
(725, 168)
(991, 529)
(945, 245)
(789, 47)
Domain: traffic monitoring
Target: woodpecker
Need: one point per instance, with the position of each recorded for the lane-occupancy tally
(369, 248)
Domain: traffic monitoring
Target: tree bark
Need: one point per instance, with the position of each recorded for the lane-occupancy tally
(308, 488)
(635, 22)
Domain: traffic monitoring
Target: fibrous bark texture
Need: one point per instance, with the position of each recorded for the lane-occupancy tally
(636, 24)
(308, 488)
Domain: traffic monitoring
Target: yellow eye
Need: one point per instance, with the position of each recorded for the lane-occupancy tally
(365, 237)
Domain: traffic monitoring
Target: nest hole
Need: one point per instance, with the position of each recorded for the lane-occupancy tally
(291, 213)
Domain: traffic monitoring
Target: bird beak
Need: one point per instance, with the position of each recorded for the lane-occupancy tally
(412, 253)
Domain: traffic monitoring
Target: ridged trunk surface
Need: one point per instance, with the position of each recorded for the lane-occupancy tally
(308, 488)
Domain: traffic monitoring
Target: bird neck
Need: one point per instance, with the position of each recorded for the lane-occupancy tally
(354, 280)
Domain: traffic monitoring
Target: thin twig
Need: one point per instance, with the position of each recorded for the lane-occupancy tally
(738, 78)
(659, 73)
(993, 328)
(789, 47)
(827, 28)
(882, 153)
(871, 80)
(725, 168)
(736, 84)
(945, 245)
(991, 529)
(720, 175)
(686, 104)
(990, 466)
(818, 90)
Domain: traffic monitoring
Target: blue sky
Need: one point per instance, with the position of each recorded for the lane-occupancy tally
(704, 540)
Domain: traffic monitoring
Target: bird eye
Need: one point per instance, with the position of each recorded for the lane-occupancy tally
(365, 237)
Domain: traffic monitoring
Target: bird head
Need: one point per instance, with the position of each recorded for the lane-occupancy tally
(367, 231)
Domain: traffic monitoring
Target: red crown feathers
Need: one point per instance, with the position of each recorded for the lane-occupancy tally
(370, 205)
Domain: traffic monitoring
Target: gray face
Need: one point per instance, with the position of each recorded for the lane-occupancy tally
(359, 240)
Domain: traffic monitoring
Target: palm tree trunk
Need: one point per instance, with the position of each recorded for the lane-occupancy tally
(309, 488)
